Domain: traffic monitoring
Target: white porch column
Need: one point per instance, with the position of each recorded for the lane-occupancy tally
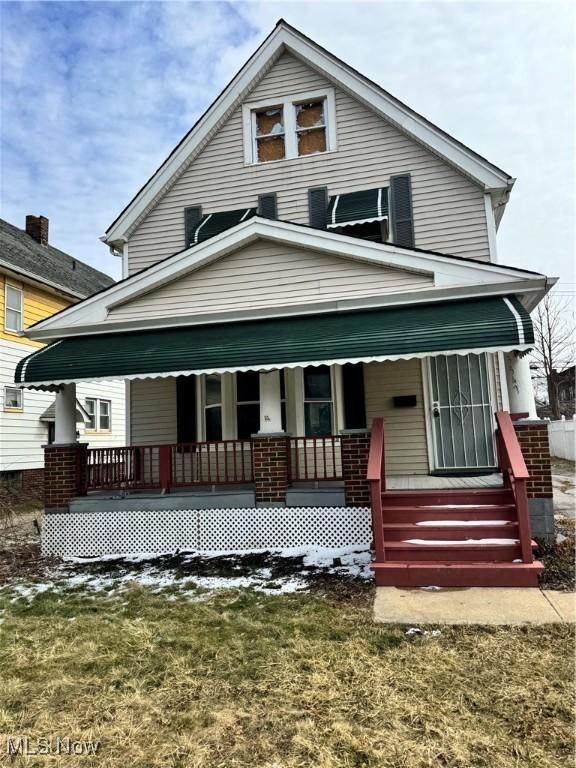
(520, 389)
(270, 403)
(65, 421)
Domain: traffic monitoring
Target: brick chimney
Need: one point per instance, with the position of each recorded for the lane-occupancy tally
(37, 227)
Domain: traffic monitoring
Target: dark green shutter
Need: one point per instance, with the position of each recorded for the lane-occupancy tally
(267, 207)
(401, 211)
(318, 207)
(192, 216)
(354, 400)
(186, 409)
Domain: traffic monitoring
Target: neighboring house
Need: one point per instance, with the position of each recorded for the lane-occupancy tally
(36, 281)
(565, 384)
(313, 261)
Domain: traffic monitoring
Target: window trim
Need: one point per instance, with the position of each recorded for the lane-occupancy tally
(14, 408)
(11, 309)
(288, 105)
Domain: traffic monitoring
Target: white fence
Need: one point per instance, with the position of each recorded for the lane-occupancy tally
(562, 438)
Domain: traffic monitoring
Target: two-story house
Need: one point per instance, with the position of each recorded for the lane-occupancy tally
(36, 281)
(317, 336)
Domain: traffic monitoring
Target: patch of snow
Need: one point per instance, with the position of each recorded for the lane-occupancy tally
(416, 631)
(443, 542)
(431, 588)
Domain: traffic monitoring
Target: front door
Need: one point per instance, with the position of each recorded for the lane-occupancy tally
(461, 412)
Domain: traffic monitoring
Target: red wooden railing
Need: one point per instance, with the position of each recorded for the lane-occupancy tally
(314, 458)
(514, 474)
(221, 462)
(376, 477)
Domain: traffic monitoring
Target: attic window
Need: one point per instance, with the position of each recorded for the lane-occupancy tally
(269, 134)
(310, 127)
(296, 126)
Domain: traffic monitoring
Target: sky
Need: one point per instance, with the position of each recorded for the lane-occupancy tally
(95, 95)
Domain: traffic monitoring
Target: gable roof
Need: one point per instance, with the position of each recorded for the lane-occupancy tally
(285, 38)
(22, 254)
(453, 276)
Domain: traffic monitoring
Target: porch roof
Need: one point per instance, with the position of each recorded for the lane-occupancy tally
(422, 330)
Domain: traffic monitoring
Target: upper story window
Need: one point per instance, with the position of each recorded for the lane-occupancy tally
(363, 214)
(13, 313)
(269, 135)
(295, 126)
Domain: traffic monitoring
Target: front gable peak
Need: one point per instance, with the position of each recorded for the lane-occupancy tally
(286, 39)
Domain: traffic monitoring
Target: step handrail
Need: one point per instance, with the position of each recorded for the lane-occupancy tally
(515, 474)
(376, 477)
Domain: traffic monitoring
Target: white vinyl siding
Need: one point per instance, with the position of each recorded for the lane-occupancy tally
(404, 428)
(449, 213)
(153, 411)
(269, 275)
(22, 434)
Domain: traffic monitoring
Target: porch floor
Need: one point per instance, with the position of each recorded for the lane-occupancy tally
(424, 482)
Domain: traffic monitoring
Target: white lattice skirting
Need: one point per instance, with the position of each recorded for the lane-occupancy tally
(91, 534)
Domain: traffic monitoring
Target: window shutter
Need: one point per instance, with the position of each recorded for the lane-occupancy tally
(401, 211)
(192, 216)
(318, 207)
(186, 409)
(354, 400)
(267, 206)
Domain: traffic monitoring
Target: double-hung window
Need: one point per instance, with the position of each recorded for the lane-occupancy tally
(268, 128)
(213, 407)
(13, 313)
(311, 127)
(99, 415)
(291, 127)
(318, 406)
(90, 408)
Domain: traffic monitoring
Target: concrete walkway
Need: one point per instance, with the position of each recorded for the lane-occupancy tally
(473, 605)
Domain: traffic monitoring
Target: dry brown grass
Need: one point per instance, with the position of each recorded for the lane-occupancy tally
(285, 681)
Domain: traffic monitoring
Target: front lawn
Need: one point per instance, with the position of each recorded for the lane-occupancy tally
(241, 678)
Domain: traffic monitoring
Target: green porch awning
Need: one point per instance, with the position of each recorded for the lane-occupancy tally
(358, 207)
(213, 223)
(418, 330)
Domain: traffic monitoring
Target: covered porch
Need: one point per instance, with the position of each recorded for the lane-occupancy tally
(283, 406)
(276, 415)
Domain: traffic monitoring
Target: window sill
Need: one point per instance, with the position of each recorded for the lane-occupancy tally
(314, 156)
(92, 432)
(13, 333)
(8, 409)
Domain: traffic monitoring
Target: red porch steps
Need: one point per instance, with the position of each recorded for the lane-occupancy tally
(452, 538)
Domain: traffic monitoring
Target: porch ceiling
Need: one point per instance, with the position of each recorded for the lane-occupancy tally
(473, 325)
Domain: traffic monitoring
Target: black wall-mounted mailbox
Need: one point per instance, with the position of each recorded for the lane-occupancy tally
(404, 401)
